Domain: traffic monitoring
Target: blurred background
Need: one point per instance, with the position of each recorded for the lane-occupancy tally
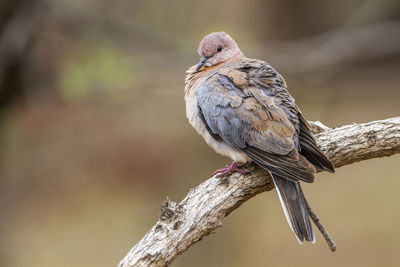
(94, 137)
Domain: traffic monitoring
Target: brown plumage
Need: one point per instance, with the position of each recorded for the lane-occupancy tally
(242, 109)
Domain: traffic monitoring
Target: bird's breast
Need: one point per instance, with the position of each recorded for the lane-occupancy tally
(193, 84)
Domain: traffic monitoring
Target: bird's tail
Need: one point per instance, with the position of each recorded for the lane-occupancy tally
(295, 209)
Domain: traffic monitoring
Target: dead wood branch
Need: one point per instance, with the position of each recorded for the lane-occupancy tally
(201, 212)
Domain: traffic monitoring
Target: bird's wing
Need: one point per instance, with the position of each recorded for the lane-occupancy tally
(310, 149)
(236, 104)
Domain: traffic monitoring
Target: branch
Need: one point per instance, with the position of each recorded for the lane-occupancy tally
(205, 206)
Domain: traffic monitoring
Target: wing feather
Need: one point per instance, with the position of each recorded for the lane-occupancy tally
(310, 149)
(253, 121)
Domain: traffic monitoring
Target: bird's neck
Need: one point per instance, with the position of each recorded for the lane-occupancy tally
(193, 76)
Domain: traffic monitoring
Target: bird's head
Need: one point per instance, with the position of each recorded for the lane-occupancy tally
(216, 48)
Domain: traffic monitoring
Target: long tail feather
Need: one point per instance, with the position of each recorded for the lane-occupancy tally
(292, 200)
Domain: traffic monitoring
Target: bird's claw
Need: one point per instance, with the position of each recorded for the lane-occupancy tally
(228, 169)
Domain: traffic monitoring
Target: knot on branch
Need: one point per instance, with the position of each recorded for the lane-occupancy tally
(170, 213)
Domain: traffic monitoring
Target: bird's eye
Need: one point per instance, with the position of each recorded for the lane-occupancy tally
(219, 48)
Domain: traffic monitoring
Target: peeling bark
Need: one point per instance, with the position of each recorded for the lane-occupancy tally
(201, 212)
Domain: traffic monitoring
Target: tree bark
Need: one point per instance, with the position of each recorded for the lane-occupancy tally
(201, 212)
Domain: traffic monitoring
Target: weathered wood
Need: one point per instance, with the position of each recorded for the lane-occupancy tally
(201, 212)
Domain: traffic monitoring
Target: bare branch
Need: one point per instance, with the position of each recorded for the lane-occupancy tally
(205, 206)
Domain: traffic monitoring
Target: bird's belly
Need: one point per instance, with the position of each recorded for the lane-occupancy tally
(221, 147)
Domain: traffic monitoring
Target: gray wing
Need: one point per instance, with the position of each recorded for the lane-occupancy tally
(310, 150)
(249, 119)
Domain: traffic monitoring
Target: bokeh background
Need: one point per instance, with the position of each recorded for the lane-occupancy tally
(94, 137)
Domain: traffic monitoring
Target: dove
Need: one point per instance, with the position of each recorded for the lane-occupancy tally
(243, 110)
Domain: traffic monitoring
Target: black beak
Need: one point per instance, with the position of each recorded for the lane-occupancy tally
(203, 61)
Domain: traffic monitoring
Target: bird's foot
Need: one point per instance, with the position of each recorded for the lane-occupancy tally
(228, 169)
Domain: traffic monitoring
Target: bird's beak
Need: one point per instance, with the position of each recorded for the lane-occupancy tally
(203, 61)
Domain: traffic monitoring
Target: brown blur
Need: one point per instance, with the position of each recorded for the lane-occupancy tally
(93, 131)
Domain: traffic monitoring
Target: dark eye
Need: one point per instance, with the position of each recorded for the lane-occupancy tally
(219, 48)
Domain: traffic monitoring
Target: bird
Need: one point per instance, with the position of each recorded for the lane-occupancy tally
(243, 110)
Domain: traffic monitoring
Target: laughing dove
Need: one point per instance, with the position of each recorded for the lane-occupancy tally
(241, 107)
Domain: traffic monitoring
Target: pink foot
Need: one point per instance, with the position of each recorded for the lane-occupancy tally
(231, 168)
